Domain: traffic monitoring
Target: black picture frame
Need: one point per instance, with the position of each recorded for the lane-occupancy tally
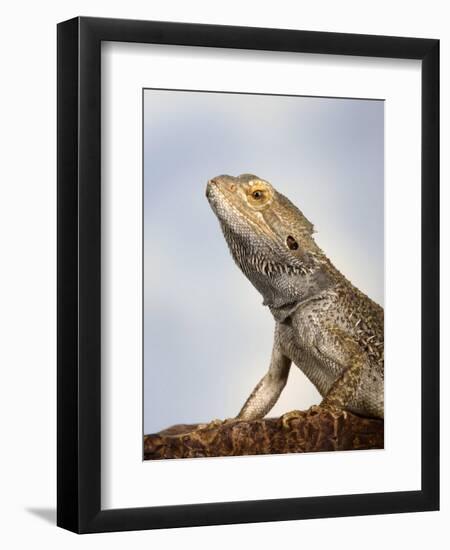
(79, 275)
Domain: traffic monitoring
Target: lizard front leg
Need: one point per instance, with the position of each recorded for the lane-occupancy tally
(344, 387)
(267, 391)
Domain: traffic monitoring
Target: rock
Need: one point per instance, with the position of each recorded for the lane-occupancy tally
(313, 430)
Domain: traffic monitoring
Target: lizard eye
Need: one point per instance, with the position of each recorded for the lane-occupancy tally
(258, 196)
(292, 243)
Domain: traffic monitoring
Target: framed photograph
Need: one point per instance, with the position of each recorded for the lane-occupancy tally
(248, 274)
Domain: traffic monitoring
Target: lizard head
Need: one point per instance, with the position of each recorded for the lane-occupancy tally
(268, 236)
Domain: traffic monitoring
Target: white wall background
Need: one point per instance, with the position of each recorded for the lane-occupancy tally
(28, 274)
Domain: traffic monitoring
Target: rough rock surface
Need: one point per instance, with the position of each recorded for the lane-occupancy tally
(314, 430)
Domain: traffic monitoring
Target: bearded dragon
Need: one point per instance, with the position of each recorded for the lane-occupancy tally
(323, 324)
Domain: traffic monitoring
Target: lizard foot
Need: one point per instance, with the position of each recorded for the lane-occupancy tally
(330, 407)
(216, 423)
(210, 425)
(314, 409)
(289, 416)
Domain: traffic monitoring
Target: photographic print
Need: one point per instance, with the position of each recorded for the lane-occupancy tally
(263, 274)
(231, 225)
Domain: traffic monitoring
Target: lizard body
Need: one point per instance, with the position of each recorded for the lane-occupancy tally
(323, 324)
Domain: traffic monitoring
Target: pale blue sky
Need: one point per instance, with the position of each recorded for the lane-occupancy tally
(207, 338)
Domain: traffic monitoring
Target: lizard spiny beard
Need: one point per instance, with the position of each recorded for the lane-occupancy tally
(282, 285)
(251, 261)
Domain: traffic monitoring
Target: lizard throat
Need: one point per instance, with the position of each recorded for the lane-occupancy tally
(251, 261)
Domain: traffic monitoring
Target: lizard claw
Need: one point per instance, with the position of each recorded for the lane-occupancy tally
(314, 409)
(288, 417)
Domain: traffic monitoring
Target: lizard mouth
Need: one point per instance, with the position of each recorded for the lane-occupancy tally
(214, 195)
(209, 187)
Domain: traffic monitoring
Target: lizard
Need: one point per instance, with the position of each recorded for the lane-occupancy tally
(324, 325)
